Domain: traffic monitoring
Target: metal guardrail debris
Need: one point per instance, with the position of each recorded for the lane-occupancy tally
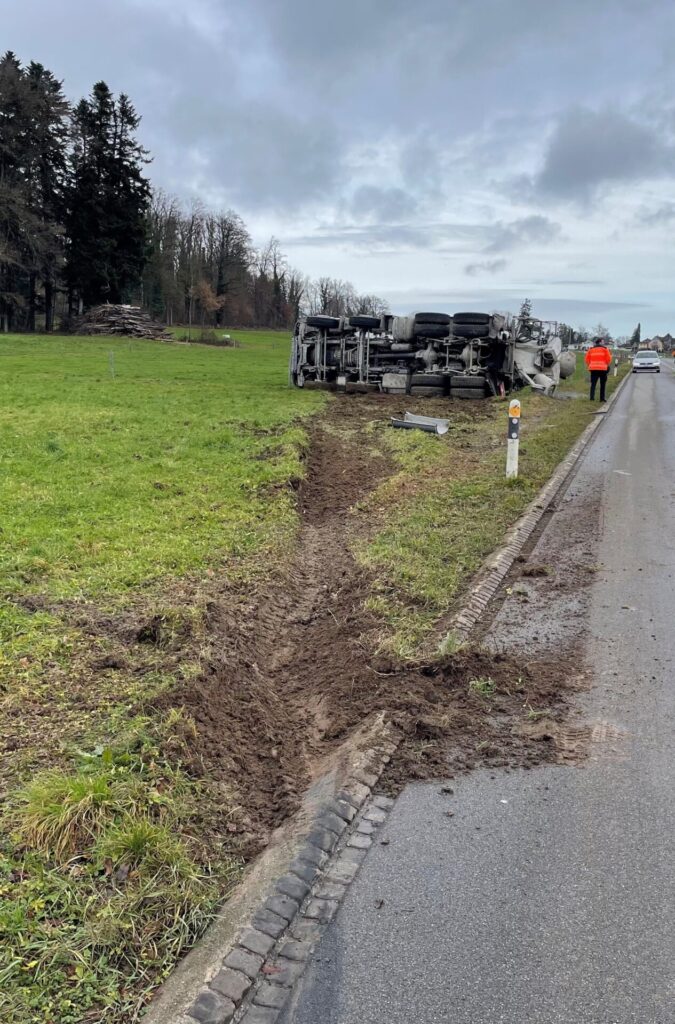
(428, 423)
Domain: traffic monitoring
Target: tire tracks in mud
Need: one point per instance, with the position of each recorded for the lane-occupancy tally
(298, 672)
(263, 719)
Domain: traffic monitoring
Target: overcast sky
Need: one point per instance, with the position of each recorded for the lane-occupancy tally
(442, 153)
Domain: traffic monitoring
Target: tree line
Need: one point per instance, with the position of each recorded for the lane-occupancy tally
(81, 225)
(203, 268)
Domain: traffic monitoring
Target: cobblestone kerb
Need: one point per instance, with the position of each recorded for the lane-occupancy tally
(257, 974)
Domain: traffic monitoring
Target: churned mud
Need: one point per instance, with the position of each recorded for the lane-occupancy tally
(290, 670)
(297, 670)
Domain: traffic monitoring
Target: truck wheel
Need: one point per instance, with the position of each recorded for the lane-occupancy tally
(432, 318)
(468, 380)
(431, 330)
(327, 323)
(470, 330)
(473, 393)
(424, 392)
(428, 380)
(471, 318)
(365, 321)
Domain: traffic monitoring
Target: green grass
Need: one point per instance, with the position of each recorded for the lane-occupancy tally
(101, 886)
(484, 687)
(131, 474)
(108, 483)
(113, 485)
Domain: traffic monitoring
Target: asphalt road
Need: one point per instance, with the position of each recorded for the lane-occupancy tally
(550, 895)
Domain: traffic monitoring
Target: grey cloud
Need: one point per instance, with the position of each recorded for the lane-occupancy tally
(427, 237)
(655, 217)
(567, 309)
(533, 230)
(589, 149)
(254, 154)
(382, 204)
(487, 267)
(575, 283)
(437, 237)
(319, 80)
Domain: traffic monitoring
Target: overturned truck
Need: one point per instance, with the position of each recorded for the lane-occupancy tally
(468, 355)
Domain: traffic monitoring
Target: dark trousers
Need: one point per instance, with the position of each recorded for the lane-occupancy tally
(598, 375)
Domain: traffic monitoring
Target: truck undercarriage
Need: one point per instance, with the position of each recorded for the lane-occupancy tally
(468, 355)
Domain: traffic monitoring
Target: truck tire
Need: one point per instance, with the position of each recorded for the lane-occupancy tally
(327, 323)
(428, 380)
(471, 318)
(432, 318)
(431, 330)
(470, 330)
(423, 392)
(471, 393)
(361, 320)
(468, 380)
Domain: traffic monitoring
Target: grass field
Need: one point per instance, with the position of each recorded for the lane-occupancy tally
(138, 482)
(124, 468)
(124, 464)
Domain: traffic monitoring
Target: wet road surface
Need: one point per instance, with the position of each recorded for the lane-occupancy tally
(550, 895)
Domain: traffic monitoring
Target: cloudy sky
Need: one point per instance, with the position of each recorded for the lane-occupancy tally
(442, 153)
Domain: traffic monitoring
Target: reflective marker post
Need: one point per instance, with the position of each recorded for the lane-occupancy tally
(513, 440)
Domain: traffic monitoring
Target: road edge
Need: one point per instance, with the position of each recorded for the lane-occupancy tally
(499, 563)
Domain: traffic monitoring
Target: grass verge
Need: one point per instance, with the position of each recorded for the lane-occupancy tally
(450, 503)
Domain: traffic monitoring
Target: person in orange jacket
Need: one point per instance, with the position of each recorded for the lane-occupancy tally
(598, 361)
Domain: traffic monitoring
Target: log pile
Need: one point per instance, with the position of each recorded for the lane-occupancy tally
(128, 321)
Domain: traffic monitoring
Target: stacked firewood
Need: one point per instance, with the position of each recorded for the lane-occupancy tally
(129, 321)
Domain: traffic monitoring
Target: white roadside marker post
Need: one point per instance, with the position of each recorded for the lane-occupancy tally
(616, 365)
(513, 440)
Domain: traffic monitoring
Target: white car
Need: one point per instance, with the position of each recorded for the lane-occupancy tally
(646, 360)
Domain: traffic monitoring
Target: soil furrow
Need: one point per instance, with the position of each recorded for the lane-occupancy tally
(298, 671)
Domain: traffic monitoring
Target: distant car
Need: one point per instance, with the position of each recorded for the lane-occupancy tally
(645, 360)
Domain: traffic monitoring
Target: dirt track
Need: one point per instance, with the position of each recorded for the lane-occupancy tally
(298, 670)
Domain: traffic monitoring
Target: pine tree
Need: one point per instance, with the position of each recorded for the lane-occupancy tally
(50, 113)
(33, 136)
(526, 309)
(108, 201)
(14, 135)
(635, 338)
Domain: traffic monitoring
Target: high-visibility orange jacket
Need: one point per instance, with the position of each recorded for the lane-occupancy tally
(598, 358)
